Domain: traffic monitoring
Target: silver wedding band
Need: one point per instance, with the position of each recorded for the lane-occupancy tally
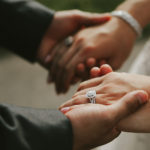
(69, 41)
(91, 95)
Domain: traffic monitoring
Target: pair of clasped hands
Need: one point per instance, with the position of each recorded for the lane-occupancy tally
(97, 39)
(97, 36)
(122, 104)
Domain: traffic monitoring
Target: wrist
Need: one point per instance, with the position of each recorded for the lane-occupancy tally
(123, 29)
(130, 20)
(139, 9)
(78, 142)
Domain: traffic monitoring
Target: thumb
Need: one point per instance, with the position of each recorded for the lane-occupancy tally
(89, 19)
(129, 104)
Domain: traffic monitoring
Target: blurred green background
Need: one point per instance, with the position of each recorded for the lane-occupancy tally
(87, 5)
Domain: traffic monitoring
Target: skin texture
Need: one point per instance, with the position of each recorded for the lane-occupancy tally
(104, 42)
(110, 88)
(111, 42)
(65, 23)
(95, 124)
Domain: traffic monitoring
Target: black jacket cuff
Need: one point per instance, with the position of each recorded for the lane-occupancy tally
(34, 129)
(22, 26)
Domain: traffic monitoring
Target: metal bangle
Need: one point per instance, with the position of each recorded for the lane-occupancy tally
(130, 20)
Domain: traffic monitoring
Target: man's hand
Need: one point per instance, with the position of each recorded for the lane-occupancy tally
(95, 124)
(65, 23)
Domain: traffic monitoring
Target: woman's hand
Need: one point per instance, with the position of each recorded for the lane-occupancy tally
(111, 42)
(110, 88)
(94, 125)
(64, 24)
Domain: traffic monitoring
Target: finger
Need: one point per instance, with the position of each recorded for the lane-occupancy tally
(58, 72)
(70, 68)
(65, 110)
(95, 72)
(105, 69)
(89, 19)
(82, 92)
(80, 68)
(91, 62)
(65, 73)
(55, 60)
(90, 83)
(55, 65)
(50, 57)
(102, 62)
(69, 71)
(82, 99)
(50, 61)
(67, 78)
(81, 71)
(116, 62)
(128, 104)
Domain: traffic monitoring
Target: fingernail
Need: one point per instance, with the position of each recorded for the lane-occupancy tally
(107, 18)
(65, 110)
(142, 97)
(48, 58)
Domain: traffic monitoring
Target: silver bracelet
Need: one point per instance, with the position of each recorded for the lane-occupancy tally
(129, 19)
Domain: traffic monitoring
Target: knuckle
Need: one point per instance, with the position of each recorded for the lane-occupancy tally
(81, 86)
(76, 100)
(105, 34)
(89, 48)
(79, 39)
(104, 88)
(112, 76)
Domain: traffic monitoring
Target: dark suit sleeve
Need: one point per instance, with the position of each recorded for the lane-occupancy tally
(33, 129)
(22, 26)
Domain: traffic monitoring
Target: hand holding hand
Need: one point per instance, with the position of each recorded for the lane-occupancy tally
(107, 42)
(94, 124)
(111, 88)
(65, 23)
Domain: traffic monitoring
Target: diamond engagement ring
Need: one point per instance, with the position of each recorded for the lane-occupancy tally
(91, 95)
(69, 41)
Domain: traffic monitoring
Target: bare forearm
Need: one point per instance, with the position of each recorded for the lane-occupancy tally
(139, 9)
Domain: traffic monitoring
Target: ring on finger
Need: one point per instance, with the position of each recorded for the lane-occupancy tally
(91, 95)
(68, 41)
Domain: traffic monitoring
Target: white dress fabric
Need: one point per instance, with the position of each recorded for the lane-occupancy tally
(132, 141)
